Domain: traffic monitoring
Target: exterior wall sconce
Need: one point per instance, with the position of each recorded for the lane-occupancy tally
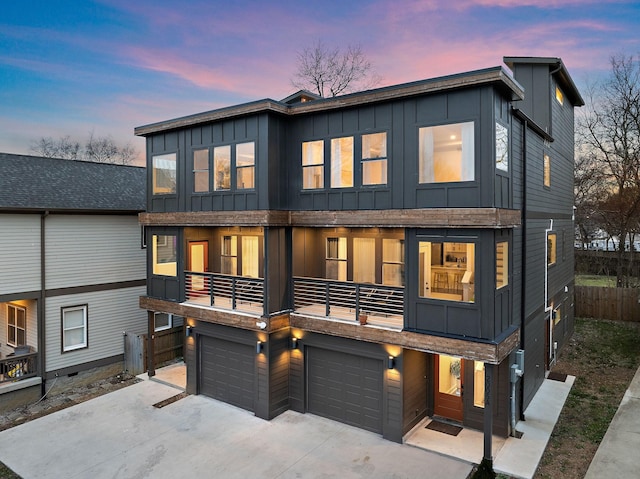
(258, 347)
(294, 343)
(188, 332)
(391, 362)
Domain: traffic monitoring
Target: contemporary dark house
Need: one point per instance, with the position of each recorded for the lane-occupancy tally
(376, 258)
(72, 267)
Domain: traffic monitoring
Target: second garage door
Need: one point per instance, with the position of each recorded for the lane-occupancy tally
(345, 387)
(227, 371)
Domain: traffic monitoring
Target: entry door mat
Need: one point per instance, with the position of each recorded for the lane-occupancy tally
(557, 376)
(444, 427)
(170, 400)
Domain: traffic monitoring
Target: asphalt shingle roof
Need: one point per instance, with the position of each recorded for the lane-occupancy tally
(37, 183)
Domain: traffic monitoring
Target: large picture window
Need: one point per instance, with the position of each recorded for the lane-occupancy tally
(446, 153)
(164, 255)
(313, 164)
(201, 171)
(16, 325)
(74, 328)
(374, 159)
(342, 162)
(164, 174)
(245, 166)
(447, 271)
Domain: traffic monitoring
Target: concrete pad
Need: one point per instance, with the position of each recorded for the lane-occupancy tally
(520, 457)
(617, 455)
(121, 435)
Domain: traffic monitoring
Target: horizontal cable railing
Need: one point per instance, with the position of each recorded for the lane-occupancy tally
(226, 291)
(347, 299)
(16, 368)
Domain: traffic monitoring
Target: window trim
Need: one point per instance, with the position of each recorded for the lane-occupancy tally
(251, 166)
(423, 177)
(194, 170)
(552, 253)
(505, 266)
(336, 166)
(155, 265)
(15, 326)
(162, 328)
(429, 284)
(154, 185)
(85, 326)
(320, 164)
(372, 159)
(505, 163)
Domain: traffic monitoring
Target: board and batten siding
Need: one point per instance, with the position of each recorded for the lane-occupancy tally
(110, 313)
(89, 249)
(19, 253)
(31, 305)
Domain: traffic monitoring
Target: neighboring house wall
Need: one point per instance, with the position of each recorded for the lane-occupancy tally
(88, 250)
(110, 313)
(19, 253)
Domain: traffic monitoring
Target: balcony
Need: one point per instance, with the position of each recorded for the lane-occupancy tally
(225, 292)
(18, 367)
(383, 306)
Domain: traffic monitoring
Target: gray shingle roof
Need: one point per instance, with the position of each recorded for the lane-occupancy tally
(37, 183)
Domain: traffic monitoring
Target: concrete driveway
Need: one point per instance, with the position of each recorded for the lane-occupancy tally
(121, 435)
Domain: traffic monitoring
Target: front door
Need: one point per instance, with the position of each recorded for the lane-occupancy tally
(198, 260)
(448, 374)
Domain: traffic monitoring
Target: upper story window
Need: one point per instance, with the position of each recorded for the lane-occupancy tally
(342, 162)
(201, 171)
(502, 264)
(446, 271)
(164, 174)
(222, 168)
(546, 167)
(374, 159)
(336, 259)
(16, 325)
(502, 147)
(446, 153)
(245, 165)
(559, 95)
(551, 248)
(313, 164)
(164, 255)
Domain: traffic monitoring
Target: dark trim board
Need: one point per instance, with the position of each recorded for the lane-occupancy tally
(92, 288)
(76, 368)
(4, 298)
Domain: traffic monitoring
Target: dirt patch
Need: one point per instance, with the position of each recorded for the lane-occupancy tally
(63, 400)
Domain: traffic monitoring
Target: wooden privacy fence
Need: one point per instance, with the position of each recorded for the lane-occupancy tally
(607, 303)
(168, 346)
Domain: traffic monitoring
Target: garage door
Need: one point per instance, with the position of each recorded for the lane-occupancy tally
(345, 388)
(227, 371)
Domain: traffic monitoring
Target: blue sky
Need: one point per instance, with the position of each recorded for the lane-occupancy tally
(71, 67)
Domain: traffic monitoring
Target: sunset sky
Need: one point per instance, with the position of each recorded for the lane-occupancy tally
(72, 67)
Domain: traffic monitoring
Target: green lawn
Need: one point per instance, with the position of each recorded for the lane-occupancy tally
(595, 280)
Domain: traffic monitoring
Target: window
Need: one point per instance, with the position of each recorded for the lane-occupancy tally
(557, 315)
(393, 262)
(551, 248)
(201, 171)
(162, 321)
(446, 153)
(222, 168)
(478, 384)
(336, 259)
(16, 325)
(502, 147)
(245, 166)
(164, 174)
(312, 165)
(364, 263)
(74, 328)
(229, 255)
(374, 159)
(342, 162)
(164, 255)
(446, 271)
(546, 165)
(250, 257)
(559, 96)
(502, 264)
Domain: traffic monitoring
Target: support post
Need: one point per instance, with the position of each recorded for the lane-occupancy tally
(151, 329)
(488, 414)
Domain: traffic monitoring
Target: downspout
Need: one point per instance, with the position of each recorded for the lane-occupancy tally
(41, 305)
(523, 309)
(547, 308)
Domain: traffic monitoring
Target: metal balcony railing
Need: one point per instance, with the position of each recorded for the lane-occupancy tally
(17, 368)
(225, 291)
(382, 305)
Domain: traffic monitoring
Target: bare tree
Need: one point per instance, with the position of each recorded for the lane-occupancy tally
(99, 149)
(330, 71)
(609, 131)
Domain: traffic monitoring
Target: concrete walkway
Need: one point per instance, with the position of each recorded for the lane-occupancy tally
(122, 435)
(619, 452)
